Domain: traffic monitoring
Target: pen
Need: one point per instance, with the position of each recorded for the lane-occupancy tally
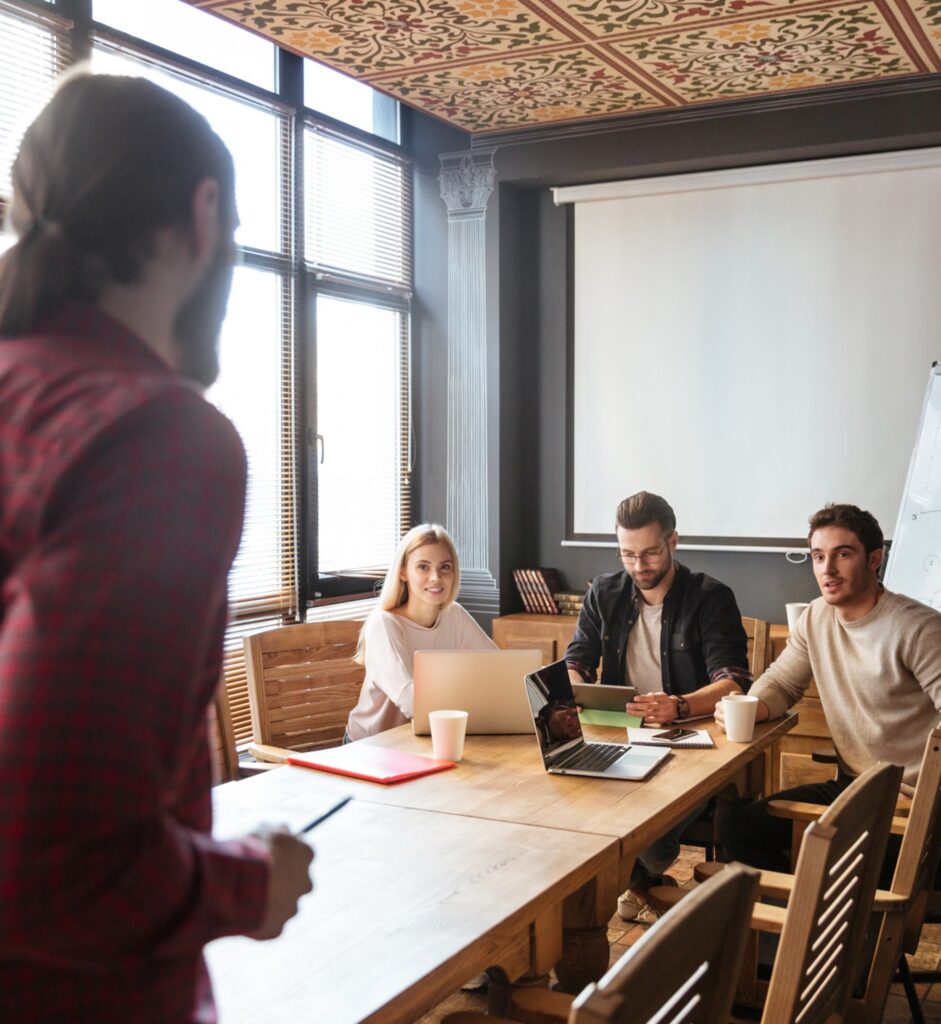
(324, 816)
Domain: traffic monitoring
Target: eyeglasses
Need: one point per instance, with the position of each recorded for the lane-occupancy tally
(648, 557)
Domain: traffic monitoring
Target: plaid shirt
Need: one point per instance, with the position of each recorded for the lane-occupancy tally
(121, 498)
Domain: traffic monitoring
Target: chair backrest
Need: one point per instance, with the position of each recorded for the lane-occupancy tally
(758, 632)
(685, 967)
(917, 865)
(912, 886)
(819, 957)
(303, 683)
(222, 738)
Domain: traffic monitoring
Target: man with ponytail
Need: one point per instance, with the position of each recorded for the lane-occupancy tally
(121, 501)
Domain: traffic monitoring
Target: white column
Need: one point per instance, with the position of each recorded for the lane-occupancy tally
(466, 182)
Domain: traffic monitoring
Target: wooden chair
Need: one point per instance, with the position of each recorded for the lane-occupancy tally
(830, 898)
(683, 967)
(222, 738)
(302, 685)
(758, 632)
(911, 896)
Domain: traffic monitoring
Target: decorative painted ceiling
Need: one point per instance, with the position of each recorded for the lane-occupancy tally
(499, 65)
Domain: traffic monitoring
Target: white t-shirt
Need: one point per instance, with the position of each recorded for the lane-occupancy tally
(391, 642)
(643, 650)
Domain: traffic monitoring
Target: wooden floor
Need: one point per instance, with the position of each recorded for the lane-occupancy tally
(621, 935)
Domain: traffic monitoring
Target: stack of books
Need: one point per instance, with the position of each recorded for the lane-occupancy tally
(536, 587)
(569, 602)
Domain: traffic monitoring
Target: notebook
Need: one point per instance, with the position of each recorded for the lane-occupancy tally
(374, 764)
(559, 734)
(485, 684)
(648, 737)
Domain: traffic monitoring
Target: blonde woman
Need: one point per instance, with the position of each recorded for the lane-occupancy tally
(416, 612)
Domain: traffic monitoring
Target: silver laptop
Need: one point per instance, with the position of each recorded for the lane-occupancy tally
(485, 684)
(563, 747)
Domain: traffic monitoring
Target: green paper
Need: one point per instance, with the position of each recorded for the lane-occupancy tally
(618, 719)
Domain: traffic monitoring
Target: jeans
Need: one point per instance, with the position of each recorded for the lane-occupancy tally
(748, 833)
(652, 862)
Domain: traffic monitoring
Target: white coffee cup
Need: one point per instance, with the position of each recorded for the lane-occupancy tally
(794, 610)
(739, 710)
(447, 734)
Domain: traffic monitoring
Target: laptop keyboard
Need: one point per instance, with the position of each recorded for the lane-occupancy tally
(595, 757)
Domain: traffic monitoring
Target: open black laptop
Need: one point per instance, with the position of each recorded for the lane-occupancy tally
(563, 747)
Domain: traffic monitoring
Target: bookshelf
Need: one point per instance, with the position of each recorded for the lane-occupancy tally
(549, 634)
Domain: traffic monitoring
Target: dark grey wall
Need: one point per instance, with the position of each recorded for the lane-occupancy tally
(429, 138)
(529, 310)
(535, 440)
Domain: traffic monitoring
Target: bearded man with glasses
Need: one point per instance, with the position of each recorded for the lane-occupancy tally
(676, 636)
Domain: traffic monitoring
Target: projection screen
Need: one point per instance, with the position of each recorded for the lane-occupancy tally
(753, 343)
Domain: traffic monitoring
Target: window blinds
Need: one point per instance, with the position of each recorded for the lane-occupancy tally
(34, 48)
(358, 210)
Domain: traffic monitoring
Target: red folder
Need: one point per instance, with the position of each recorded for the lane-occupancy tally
(374, 764)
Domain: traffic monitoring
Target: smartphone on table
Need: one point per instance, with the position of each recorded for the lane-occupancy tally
(674, 734)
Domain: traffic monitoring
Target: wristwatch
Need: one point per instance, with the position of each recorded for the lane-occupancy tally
(682, 706)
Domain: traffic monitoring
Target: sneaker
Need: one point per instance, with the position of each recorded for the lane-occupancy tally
(633, 904)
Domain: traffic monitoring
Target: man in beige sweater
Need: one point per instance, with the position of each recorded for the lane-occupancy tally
(876, 659)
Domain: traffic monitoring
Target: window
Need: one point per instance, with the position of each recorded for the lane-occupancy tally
(363, 504)
(255, 390)
(355, 103)
(256, 385)
(339, 307)
(33, 50)
(358, 210)
(190, 33)
(358, 243)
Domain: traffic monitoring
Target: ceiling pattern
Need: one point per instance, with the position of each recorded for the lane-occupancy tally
(499, 65)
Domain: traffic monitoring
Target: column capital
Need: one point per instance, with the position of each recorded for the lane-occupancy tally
(466, 181)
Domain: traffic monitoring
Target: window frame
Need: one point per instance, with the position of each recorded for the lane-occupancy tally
(301, 280)
(326, 588)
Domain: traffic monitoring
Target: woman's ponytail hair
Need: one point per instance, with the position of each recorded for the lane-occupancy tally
(107, 164)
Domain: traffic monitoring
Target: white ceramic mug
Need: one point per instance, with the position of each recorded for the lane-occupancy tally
(447, 734)
(794, 610)
(739, 710)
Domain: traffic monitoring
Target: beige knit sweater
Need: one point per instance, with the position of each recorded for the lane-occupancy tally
(879, 679)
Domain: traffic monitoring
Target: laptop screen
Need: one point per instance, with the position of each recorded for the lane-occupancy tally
(554, 712)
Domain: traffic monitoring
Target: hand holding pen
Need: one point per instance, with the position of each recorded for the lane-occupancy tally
(289, 877)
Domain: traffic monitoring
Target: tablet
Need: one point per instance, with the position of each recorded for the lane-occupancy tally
(602, 698)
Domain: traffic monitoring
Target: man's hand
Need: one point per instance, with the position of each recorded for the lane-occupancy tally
(761, 713)
(289, 880)
(575, 677)
(653, 708)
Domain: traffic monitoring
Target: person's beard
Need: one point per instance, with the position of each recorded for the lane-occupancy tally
(658, 576)
(199, 321)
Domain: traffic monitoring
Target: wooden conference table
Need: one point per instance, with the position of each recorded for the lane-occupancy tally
(407, 905)
(422, 885)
